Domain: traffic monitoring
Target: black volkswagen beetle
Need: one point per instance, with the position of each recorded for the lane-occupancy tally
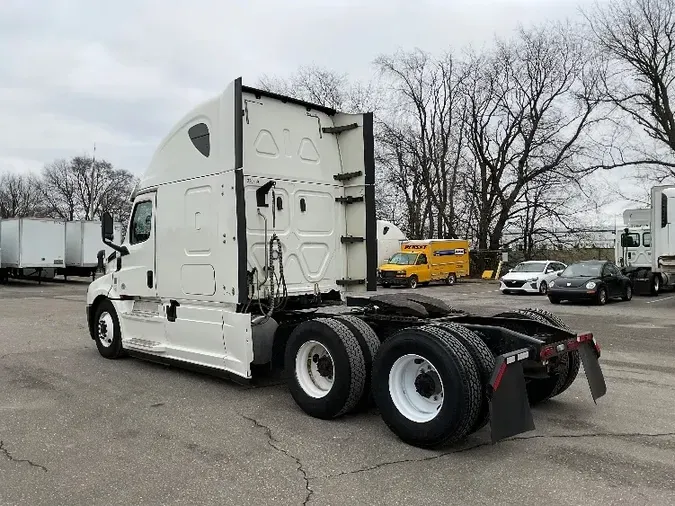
(592, 280)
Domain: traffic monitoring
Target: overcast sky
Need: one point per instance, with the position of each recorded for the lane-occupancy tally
(120, 74)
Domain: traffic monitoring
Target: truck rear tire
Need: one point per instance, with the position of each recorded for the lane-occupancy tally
(485, 363)
(427, 386)
(574, 359)
(542, 389)
(451, 279)
(326, 370)
(369, 343)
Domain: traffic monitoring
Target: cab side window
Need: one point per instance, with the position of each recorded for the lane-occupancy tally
(141, 222)
(647, 239)
(422, 259)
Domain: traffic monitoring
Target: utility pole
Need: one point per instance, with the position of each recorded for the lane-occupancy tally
(90, 213)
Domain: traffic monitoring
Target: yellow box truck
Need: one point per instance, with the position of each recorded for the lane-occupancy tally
(421, 262)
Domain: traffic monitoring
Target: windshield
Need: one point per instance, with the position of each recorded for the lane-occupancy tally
(582, 270)
(403, 259)
(530, 267)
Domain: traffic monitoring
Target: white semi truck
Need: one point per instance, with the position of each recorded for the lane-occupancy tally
(645, 246)
(257, 213)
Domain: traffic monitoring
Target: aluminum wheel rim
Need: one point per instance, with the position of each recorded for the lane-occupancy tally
(311, 363)
(543, 288)
(106, 329)
(603, 296)
(404, 388)
(629, 291)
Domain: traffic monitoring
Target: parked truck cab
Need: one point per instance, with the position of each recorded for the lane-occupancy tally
(257, 211)
(645, 245)
(421, 262)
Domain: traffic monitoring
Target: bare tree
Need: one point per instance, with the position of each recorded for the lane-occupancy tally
(20, 196)
(84, 188)
(59, 190)
(637, 39)
(322, 86)
(421, 138)
(531, 106)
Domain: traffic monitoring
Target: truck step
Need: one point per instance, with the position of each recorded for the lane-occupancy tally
(350, 282)
(142, 315)
(348, 200)
(339, 129)
(136, 343)
(346, 176)
(348, 239)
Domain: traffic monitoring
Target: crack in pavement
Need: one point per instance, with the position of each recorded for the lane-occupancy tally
(274, 443)
(489, 443)
(10, 457)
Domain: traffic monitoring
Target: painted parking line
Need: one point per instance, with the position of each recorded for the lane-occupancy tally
(661, 299)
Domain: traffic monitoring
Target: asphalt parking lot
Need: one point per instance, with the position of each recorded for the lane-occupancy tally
(78, 429)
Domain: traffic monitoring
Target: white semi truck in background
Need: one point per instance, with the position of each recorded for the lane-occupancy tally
(253, 221)
(645, 245)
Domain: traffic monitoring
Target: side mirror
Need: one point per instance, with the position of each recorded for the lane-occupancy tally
(108, 234)
(558, 273)
(107, 227)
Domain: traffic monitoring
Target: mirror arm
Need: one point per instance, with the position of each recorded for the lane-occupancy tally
(123, 250)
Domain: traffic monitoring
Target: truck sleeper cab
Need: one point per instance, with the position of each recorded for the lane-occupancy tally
(646, 248)
(421, 262)
(257, 207)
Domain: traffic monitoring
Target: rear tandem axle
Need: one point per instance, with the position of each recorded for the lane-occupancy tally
(435, 373)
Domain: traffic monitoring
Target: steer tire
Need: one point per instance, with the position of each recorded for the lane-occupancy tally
(113, 349)
(485, 362)
(654, 284)
(349, 368)
(369, 343)
(462, 394)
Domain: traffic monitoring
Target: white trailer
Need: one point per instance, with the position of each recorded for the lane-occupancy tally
(32, 245)
(83, 242)
(257, 211)
(645, 249)
(389, 239)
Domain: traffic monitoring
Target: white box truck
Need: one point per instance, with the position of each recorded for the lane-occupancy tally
(257, 213)
(31, 245)
(83, 242)
(645, 245)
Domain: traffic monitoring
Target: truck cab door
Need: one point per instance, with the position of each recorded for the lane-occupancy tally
(136, 276)
(423, 268)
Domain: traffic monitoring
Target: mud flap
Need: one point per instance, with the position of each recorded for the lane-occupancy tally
(510, 412)
(596, 380)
